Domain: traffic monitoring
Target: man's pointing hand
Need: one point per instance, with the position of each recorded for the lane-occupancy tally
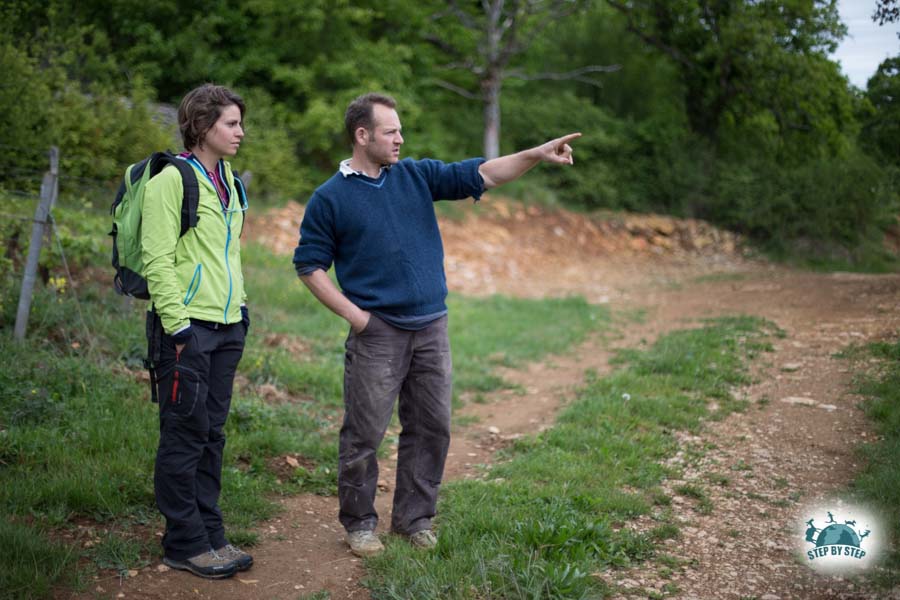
(558, 151)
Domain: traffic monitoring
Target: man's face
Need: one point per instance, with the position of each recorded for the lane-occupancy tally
(383, 142)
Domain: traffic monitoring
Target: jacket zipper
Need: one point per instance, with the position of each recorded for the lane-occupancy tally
(227, 216)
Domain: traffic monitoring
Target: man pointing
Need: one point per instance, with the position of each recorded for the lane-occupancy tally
(375, 221)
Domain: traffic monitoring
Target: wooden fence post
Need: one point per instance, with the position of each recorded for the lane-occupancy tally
(49, 190)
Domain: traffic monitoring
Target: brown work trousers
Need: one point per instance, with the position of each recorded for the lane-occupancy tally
(383, 362)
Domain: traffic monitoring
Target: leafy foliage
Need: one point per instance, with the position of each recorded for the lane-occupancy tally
(881, 128)
(729, 111)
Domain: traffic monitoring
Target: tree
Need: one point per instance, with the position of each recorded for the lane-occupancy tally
(61, 87)
(486, 41)
(886, 11)
(733, 55)
(881, 132)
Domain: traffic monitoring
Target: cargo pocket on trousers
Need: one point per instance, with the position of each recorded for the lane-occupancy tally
(185, 391)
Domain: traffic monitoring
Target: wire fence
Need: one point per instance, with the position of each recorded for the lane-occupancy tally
(28, 186)
(12, 217)
(65, 263)
(44, 187)
(23, 180)
(22, 194)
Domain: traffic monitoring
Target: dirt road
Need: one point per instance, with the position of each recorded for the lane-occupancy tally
(777, 457)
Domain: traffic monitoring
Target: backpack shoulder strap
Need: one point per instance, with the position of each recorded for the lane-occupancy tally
(191, 187)
(241, 188)
(242, 197)
(132, 174)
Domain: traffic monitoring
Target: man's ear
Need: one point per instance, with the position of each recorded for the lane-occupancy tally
(362, 136)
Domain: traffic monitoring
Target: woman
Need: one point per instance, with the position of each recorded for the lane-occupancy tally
(197, 290)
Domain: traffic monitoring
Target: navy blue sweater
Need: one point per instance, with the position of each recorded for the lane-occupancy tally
(382, 234)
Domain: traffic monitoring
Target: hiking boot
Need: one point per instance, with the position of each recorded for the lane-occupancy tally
(241, 559)
(364, 543)
(424, 539)
(210, 565)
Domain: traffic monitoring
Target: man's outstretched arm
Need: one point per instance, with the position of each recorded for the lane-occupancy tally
(506, 168)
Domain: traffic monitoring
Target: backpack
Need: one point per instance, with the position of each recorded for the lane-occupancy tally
(126, 212)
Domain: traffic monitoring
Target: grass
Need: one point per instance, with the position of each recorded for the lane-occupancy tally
(869, 256)
(501, 331)
(720, 277)
(322, 595)
(555, 509)
(78, 434)
(872, 259)
(719, 479)
(31, 563)
(879, 482)
(704, 504)
(120, 552)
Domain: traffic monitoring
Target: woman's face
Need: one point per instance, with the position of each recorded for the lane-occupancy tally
(224, 138)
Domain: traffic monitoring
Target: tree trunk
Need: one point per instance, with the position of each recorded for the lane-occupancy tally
(490, 90)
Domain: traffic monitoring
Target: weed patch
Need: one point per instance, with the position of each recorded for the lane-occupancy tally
(31, 563)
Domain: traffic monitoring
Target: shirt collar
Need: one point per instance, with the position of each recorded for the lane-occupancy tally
(346, 170)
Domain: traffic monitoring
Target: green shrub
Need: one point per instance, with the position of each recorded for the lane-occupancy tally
(269, 151)
(72, 104)
(831, 206)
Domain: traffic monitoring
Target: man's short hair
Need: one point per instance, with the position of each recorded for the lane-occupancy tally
(359, 113)
(201, 108)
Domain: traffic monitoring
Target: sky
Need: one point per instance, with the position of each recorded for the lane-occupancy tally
(867, 44)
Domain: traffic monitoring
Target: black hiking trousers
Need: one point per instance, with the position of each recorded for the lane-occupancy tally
(194, 389)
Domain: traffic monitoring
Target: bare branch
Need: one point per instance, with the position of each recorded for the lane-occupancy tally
(559, 10)
(650, 39)
(444, 46)
(510, 29)
(786, 124)
(577, 74)
(456, 89)
(462, 16)
(509, 22)
(437, 16)
(467, 65)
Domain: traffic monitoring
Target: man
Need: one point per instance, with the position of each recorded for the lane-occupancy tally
(375, 221)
